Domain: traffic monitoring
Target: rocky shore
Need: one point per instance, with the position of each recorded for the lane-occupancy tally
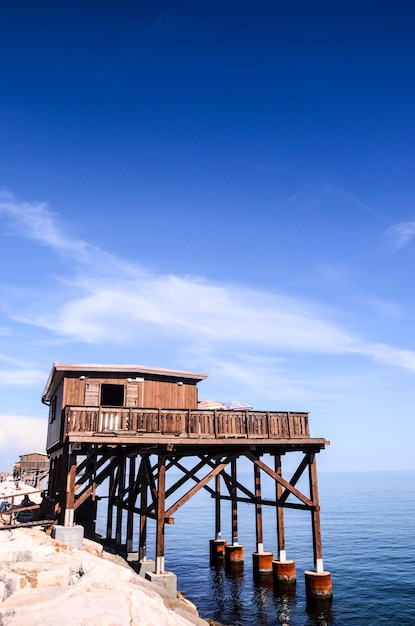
(48, 582)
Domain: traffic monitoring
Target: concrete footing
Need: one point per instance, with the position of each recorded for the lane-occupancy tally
(217, 551)
(144, 566)
(284, 572)
(167, 580)
(234, 555)
(262, 563)
(318, 585)
(74, 535)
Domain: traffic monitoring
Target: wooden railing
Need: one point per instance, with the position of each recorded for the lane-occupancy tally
(186, 423)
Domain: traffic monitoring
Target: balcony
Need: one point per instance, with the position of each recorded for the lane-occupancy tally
(90, 423)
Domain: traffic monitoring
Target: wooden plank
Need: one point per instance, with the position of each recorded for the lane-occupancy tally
(131, 394)
(92, 393)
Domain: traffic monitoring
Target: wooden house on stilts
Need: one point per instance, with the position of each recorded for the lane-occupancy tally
(127, 426)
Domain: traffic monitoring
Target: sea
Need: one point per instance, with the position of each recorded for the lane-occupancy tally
(368, 536)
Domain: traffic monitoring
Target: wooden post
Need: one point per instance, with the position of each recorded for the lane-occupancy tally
(218, 532)
(258, 511)
(70, 490)
(110, 508)
(120, 494)
(131, 502)
(234, 504)
(280, 511)
(318, 582)
(161, 500)
(315, 515)
(142, 540)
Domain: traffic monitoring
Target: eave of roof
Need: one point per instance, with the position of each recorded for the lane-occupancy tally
(59, 370)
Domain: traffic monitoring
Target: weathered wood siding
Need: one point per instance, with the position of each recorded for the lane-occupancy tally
(152, 392)
(55, 418)
(36, 460)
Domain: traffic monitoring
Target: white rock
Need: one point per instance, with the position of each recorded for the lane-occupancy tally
(57, 584)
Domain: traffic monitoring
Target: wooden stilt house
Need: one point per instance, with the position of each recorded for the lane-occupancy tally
(128, 425)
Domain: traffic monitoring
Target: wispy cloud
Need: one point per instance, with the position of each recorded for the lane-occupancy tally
(37, 222)
(30, 432)
(107, 304)
(401, 234)
(21, 377)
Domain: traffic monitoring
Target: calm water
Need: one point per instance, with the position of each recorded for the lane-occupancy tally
(368, 531)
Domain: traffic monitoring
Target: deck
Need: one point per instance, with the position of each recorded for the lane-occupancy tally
(186, 426)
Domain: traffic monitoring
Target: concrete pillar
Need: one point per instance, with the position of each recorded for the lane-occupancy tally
(217, 551)
(166, 580)
(234, 555)
(284, 573)
(73, 535)
(318, 586)
(262, 563)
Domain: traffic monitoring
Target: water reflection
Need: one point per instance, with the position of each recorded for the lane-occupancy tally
(284, 601)
(238, 601)
(320, 613)
(228, 595)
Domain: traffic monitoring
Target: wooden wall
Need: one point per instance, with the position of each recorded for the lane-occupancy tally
(55, 418)
(154, 392)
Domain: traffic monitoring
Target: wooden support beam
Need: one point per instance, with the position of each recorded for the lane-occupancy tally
(280, 510)
(96, 463)
(142, 538)
(201, 484)
(130, 504)
(70, 490)
(315, 515)
(161, 493)
(120, 491)
(296, 476)
(151, 484)
(229, 481)
(279, 479)
(191, 476)
(84, 496)
(218, 530)
(234, 504)
(187, 474)
(258, 510)
(286, 505)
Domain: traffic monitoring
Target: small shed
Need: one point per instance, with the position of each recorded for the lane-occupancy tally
(34, 467)
(117, 386)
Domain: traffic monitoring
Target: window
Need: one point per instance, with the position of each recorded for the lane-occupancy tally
(112, 395)
(52, 409)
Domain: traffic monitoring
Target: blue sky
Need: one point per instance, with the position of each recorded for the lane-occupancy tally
(214, 186)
